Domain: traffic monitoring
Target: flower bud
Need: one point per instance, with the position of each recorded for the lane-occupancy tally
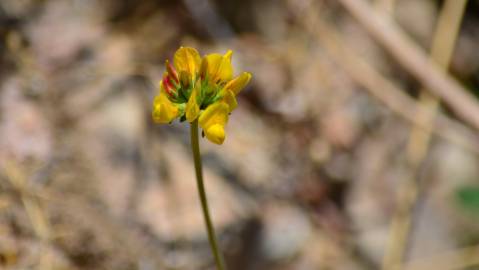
(168, 86)
(172, 71)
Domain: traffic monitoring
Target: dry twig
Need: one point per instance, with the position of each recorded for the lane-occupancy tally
(419, 141)
(415, 61)
(458, 259)
(379, 86)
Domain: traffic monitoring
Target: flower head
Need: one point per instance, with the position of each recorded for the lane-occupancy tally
(199, 88)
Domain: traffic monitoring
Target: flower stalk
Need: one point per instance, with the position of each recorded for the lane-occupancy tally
(195, 147)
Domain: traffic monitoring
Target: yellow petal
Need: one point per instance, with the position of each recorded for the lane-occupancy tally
(213, 120)
(238, 83)
(230, 99)
(187, 59)
(164, 111)
(216, 133)
(192, 107)
(203, 67)
(219, 66)
(216, 113)
(228, 55)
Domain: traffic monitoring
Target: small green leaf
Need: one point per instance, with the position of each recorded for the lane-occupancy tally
(468, 198)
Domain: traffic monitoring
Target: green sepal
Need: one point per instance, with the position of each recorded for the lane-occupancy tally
(181, 108)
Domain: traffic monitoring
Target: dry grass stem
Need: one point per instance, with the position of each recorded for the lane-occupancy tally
(459, 259)
(419, 141)
(415, 61)
(380, 87)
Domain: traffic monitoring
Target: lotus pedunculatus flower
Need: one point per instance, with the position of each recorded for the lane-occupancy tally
(199, 88)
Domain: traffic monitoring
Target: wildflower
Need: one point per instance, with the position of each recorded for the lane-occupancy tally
(199, 89)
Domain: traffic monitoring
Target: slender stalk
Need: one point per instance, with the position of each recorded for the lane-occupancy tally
(195, 147)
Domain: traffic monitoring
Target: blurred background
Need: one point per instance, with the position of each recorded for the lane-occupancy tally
(355, 146)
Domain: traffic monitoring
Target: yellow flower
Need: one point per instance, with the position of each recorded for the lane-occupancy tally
(232, 88)
(199, 88)
(238, 83)
(164, 111)
(230, 100)
(219, 66)
(187, 60)
(213, 121)
(192, 107)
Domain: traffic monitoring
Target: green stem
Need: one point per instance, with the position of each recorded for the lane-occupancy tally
(204, 201)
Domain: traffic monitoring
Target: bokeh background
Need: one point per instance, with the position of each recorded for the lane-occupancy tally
(349, 148)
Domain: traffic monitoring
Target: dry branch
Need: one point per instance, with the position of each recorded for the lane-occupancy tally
(379, 86)
(415, 61)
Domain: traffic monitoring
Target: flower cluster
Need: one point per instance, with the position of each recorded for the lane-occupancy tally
(199, 88)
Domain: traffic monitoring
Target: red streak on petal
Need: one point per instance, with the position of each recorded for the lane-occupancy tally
(172, 72)
(167, 86)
